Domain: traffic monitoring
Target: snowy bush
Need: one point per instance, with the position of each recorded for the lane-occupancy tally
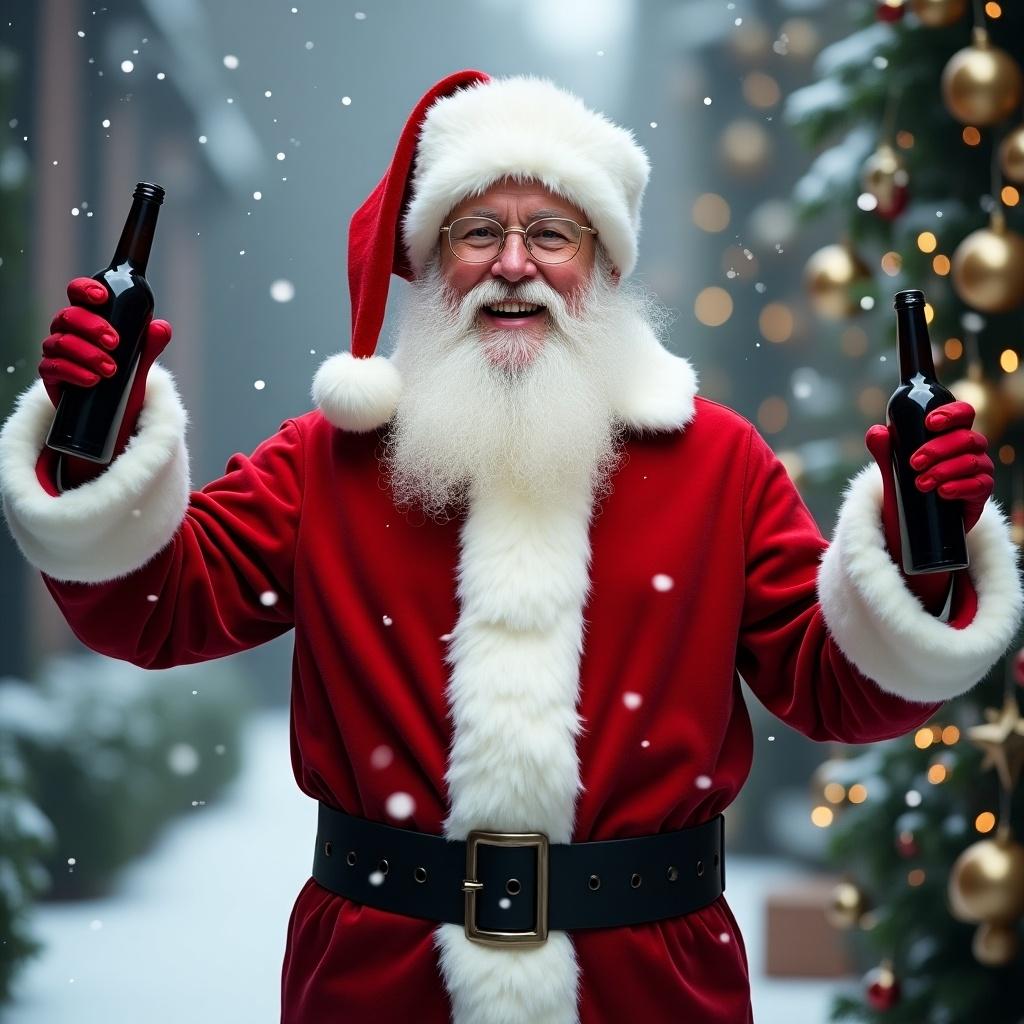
(26, 834)
(111, 752)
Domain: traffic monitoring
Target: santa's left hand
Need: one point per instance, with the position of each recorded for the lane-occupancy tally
(956, 462)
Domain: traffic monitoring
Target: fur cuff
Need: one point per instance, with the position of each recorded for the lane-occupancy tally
(881, 626)
(114, 524)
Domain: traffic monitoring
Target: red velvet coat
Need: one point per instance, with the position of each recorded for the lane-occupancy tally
(702, 564)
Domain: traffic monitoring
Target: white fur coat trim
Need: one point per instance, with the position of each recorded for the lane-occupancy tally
(526, 127)
(881, 626)
(114, 524)
(523, 580)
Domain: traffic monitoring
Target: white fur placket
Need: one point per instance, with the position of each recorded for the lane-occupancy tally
(523, 580)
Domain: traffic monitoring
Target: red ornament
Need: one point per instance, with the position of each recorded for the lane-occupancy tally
(906, 845)
(890, 10)
(900, 196)
(1018, 667)
(881, 987)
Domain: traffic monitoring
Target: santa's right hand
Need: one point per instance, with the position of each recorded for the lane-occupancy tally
(77, 349)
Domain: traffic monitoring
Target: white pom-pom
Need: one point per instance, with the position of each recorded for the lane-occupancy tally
(357, 394)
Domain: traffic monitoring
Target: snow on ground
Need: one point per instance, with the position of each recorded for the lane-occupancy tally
(191, 934)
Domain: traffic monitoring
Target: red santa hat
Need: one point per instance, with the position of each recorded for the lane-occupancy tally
(468, 132)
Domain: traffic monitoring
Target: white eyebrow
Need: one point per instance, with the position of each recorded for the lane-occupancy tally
(538, 215)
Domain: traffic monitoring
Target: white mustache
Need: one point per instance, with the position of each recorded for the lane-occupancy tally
(489, 293)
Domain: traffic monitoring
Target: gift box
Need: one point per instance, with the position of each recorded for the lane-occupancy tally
(801, 942)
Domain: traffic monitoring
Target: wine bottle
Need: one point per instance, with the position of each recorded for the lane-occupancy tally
(88, 419)
(931, 527)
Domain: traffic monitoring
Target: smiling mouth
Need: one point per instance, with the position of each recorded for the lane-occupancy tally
(513, 310)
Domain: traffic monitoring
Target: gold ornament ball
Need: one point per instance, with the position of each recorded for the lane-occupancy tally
(995, 945)
(883, 174)
(988, 269)
(847, 906)
(981, 84)
(986, 882)
(939, 13)
(992, 412)
(1011, 155)
(829, 276)
(1011, 390)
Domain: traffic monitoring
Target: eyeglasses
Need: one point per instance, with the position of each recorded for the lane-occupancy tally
(480, 239)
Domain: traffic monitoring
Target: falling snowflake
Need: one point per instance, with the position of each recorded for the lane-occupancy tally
(376, 877)
(662, 582)
(182, 759)
(257, 196)
(723, 937)
(387, 620)
(268, 598)
(504, 903)
(632, 700)
(230, 61)
(282, 290)
(151, 597)
(346, 101)
(259, 385)
(400, 806)
(703, 782)
(381, 756)
(127, 66)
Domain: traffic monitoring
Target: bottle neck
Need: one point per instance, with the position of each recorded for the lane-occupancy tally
(913, 343)
(137, 235)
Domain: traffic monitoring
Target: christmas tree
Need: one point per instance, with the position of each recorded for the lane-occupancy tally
(916, 121)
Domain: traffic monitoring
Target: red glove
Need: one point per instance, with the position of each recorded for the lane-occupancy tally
(76, 353)
(956, 462)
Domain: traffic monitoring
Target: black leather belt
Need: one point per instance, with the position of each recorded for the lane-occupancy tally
(512, 887)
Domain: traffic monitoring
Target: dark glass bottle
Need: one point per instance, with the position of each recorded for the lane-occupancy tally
(931, 527)
(88, 419)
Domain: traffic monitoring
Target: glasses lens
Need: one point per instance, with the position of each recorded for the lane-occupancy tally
(553, 240)
(475, 239)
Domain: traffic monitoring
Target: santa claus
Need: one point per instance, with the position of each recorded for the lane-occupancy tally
(526, 567)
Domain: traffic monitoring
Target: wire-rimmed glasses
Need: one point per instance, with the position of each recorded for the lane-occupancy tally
(481, 239)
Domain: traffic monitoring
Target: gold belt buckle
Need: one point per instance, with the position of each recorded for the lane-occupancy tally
(471, 886)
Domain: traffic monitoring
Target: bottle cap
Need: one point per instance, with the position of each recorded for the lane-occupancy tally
(148, 190)
(910, 297)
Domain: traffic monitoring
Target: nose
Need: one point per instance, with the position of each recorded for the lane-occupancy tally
(514, 262)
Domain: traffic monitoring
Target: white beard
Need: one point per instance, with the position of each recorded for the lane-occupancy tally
(469, 422)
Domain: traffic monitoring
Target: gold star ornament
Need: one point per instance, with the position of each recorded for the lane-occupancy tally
(1002, 740)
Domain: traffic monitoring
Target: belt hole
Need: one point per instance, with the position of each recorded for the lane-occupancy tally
(635, 881)
(420, 874)
(700, 868)
(512, 887)
(327, 848)
(351, 858)
(673, 873)
(595, 882)
(382, 867)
